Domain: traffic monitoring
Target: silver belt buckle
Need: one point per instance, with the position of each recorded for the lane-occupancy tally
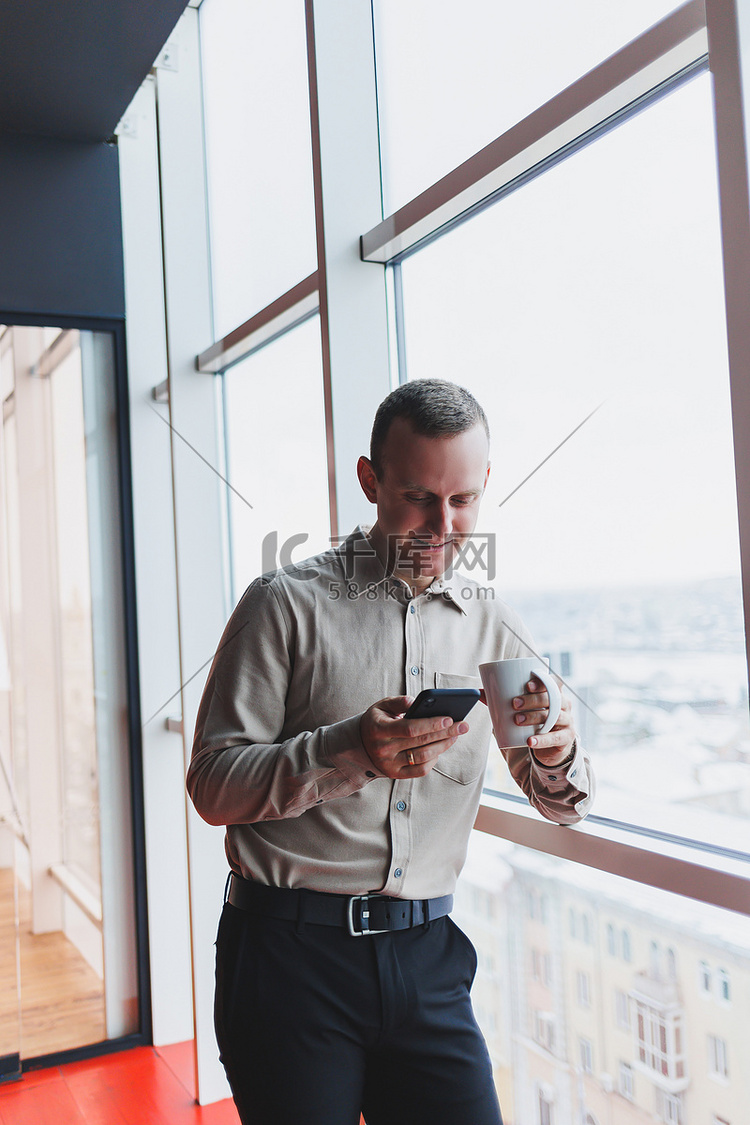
(364, 915)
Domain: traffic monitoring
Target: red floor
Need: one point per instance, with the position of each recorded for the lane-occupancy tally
(146, 1086)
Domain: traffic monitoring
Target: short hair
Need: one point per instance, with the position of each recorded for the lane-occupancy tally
(433, 407)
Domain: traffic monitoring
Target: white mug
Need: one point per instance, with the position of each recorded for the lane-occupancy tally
(503, 680)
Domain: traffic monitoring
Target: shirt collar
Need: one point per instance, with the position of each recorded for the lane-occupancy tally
(362, 567)
(455, 590)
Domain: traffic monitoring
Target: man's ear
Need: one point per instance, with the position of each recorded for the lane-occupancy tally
(487, 474)
(368, 479)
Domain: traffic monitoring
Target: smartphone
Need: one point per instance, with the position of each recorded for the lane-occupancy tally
(454, 702)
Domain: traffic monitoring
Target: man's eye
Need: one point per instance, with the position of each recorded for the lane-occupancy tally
(418, 499)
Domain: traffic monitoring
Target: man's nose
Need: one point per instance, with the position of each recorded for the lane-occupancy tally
(441, 520)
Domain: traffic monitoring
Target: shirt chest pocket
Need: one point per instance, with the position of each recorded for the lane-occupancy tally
(467, 758)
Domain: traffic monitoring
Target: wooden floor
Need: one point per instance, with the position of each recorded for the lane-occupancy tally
(146, 1086)
(62, 998)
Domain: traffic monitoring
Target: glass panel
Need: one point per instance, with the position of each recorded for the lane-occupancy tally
(277, 455)
(78, 734)
(108, 646)
(15, 747)
(450, 81)
(541, 1039)
(261, 202)
(11, 817)
(65, 793)
(598, 288)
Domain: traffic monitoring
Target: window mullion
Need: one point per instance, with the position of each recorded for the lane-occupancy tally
(346, 172)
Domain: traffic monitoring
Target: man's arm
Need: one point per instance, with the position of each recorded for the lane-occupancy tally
(240, 771)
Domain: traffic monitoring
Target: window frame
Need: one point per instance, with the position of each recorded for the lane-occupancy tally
(705, 978)
(723, 987)
(657, 1034)
(718, 1058)
(623, 1015)
(626, 1081)
(583, 988)
(586, 1055)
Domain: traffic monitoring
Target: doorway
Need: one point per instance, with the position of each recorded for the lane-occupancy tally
(68, 942)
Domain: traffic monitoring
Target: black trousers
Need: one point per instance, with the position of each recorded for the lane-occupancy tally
(315, 1026)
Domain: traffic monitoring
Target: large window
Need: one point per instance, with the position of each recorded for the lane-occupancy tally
(543, 223)
(586, 314)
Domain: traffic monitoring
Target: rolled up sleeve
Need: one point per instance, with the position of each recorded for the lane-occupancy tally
(563, 794)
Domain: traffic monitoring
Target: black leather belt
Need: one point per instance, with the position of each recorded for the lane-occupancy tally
(359, 914)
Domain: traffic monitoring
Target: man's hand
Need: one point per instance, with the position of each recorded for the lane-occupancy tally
(532, 709)
(401, 747)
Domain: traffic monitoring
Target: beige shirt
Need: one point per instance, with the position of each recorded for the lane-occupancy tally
(278, 756)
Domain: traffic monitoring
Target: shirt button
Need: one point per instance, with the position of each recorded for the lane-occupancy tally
(414, 670)
(574, 772)
(398, 872)
(412, 609)
(401, 805)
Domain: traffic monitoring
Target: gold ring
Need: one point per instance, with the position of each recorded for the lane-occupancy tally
(410, 757)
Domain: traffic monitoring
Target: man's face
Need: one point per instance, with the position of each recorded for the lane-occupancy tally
(427, 498)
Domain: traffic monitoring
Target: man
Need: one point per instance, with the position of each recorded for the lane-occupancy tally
(344, 817)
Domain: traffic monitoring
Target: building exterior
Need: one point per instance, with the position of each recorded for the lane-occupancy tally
(616, 1005)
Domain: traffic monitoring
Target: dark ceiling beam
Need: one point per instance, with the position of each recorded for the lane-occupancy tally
(70, 70)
